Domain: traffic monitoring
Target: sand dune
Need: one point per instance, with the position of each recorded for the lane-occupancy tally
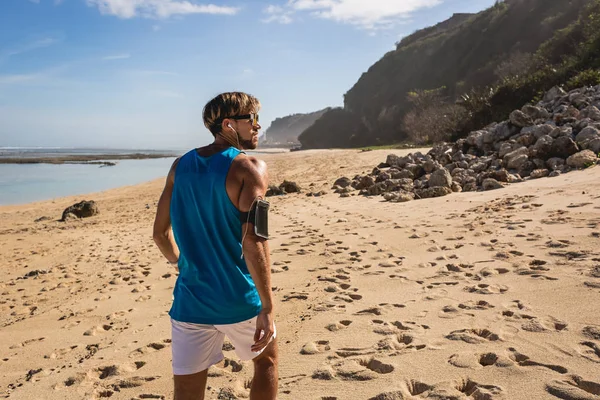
(490, 295)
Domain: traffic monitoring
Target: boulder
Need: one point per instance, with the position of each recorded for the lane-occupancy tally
(539, 173)
(594, 145)
(515, 159)
(519, 118)
(404, 174)
(564, 147)
(555, 163)
(274, 191)
(364, 182)
(437, 191)
(441, 177)
(536, 112)
(590, 112)
(399, 197)
(542, 147)
(553, 93)
(586, 135)
(491, 184)
(583, 159)
(342, 182)
(289, 187)
(83, 209)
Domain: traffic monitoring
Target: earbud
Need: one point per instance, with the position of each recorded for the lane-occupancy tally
(229, 126)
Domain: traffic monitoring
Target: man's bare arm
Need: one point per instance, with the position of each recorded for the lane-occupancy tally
(256, 249)
(163, 235)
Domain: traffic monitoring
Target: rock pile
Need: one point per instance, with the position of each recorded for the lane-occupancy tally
(559, 134)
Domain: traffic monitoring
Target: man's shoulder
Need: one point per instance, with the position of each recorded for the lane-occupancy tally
(250, 164)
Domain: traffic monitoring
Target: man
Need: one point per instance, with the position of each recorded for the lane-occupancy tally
(224, 283)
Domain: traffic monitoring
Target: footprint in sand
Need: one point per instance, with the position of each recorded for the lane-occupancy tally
(524, 361)
(574, 388)
(151, 347)
(295, 296)
(317, 347)
(338, 326)
(591, 351)
(474, 336)
(362, 369)
(484, 288)
(461, 389)
(400, 343)
(544, 325)
(478, 361)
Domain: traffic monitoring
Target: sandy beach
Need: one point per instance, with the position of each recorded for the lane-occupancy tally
(479, 295)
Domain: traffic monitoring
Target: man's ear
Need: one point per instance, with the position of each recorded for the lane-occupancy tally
(225, 124)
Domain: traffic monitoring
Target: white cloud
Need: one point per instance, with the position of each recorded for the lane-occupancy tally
(117, 57)
(157, 8)
(278, 14)
(371, 14)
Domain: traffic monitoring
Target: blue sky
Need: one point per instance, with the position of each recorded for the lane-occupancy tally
(136, 73)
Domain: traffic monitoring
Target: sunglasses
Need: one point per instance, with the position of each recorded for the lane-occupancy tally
(252, 117)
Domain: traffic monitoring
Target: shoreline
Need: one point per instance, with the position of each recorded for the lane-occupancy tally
(84, 159)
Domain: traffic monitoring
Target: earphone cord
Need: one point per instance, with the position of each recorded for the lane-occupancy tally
(247, 222)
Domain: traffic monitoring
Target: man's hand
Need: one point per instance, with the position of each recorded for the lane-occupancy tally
(264, 323)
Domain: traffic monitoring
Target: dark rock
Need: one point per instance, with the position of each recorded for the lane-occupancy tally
(586, 135)
(289, 187)
(441, 177)
(437, 191)
(416, 170)
(399, 197)
(404, 174)
(515, 159)
(519, 118)
(536, 112)
(555, 163)
(564, 147)
(274, 191)
(342, 182)
(590, 112)
(553, 93)
(491, 184)
(382, 177)
(83, 209)
(543, 147)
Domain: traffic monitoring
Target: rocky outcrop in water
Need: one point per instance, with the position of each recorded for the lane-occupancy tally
(559, 134)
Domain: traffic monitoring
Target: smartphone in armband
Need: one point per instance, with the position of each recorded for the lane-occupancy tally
(261, 220)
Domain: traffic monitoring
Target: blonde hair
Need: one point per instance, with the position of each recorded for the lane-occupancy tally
(226, 105)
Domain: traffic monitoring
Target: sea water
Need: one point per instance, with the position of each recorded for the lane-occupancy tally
(25, 183)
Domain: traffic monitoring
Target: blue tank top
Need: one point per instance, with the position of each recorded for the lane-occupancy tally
(214, 286)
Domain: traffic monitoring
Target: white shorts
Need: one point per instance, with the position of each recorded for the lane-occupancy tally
(196, 346)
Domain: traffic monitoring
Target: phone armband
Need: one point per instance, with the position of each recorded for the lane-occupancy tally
(259, 217)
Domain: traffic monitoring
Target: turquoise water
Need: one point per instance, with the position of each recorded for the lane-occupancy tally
(25, 183)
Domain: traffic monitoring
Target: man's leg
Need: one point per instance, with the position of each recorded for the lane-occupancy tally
(264, 383)
(190, 387)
